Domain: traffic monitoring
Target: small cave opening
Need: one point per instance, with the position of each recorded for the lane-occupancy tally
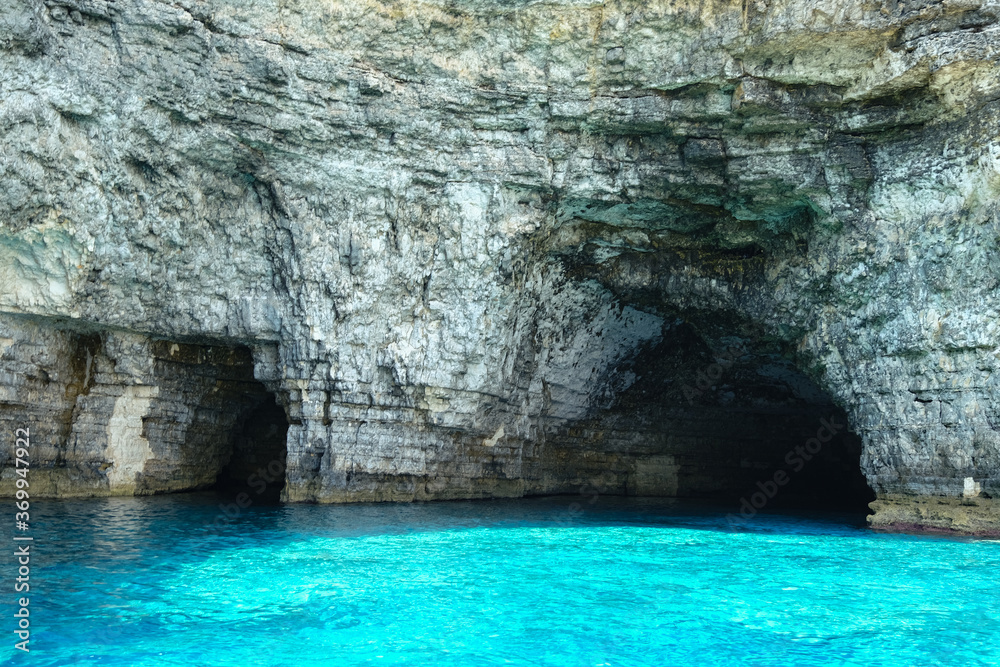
(256, 464)
(217, 425)
(732, 421)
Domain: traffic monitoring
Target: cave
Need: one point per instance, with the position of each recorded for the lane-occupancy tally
(207, 421)
(239, 427)
(719, 398)
(257, 461)
(714, 415)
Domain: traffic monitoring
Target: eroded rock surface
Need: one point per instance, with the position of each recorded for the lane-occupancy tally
(486, 249)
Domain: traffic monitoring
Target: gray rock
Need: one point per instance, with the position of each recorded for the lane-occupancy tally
(481, 249)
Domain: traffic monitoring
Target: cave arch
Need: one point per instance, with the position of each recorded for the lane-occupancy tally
(209, 422)
(735, 420)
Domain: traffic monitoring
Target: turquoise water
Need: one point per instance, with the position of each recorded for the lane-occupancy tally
(530, 582)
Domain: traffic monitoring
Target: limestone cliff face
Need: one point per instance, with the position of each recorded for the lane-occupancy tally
(505, 248)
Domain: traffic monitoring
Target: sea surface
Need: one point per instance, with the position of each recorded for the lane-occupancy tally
(560, 581)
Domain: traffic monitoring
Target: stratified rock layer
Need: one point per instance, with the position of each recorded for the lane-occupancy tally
(117, 413)
(481, 249)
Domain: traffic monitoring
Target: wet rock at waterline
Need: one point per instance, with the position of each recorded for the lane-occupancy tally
(476, 250)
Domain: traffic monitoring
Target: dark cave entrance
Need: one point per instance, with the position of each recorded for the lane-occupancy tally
(733, 421)
(256, 465)
(725, 405)
(235, 441)
(745, 424)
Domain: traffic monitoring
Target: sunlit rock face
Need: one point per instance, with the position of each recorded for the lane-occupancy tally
(496, 249)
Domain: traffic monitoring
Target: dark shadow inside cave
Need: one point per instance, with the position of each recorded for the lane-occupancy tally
(733, 421)
(752, 429)
(256, 466)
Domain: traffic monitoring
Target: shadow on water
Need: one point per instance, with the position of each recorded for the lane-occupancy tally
(135, 528)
